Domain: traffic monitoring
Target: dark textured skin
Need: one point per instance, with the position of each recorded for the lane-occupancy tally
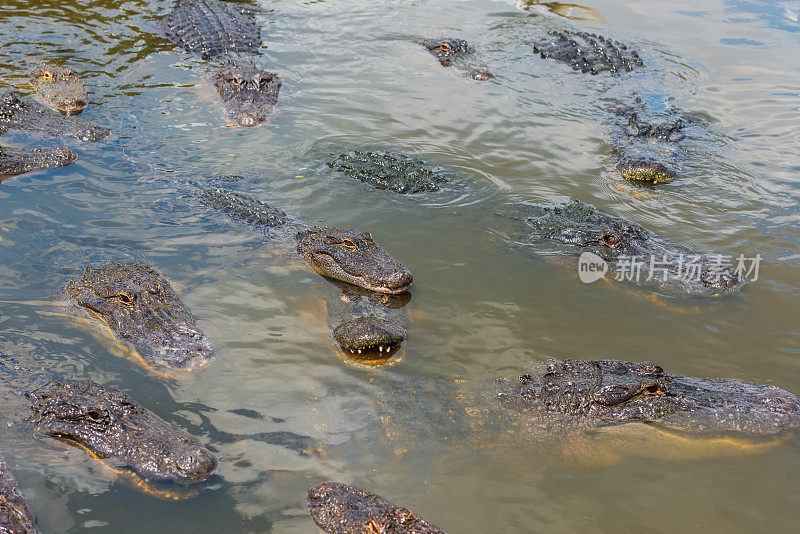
(386, 170)
(354, 257)
(14, 161)
(141, 307)
(228, 34)
(110, 424)
(18, 114)
(587, 52)
(212, 29)
(248, 93)
(15, 516)
(608, 392)
(243, 208)
(574, 228)
(647, 145)
(340, 509)
(60, 88)
(460, 54)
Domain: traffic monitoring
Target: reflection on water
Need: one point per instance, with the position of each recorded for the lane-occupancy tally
(279, 405)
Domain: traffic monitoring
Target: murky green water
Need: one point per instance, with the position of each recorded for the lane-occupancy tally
(355, 76)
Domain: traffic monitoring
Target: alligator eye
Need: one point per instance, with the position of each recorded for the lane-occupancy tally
(348, 244)
(444, 47)
(610, 240)
(238, 81)
(125, 299)
(652, 389)
(47, 75)
(95, 416)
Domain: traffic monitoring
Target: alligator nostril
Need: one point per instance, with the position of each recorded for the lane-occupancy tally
(197, 464)
(399, 280)
(247, 119)
(481, 75)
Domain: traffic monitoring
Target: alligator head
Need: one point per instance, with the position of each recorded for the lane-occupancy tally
(458, 53)
(341, 509)
(141, 307)
(575, 228)
(248, 93)
(608, 392)
(110, 424)
(61, 89)
(353, 257)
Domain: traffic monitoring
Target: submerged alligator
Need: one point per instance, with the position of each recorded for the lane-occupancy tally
(18, 114)
(577, 412)
(340, 509)
(106, 422)
(388, 170)
(460, 54)
(60, 88)
(141, 307)
(647, 147)
(228, 34)
(347, 255)
(574, 228)
(15, 515)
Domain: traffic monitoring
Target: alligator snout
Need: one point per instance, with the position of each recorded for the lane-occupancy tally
(481, 75)
(71, 106)
(196, 465)
(399, 281)
(248, 118)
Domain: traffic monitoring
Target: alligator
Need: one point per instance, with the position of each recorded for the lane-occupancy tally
(341, 509)
(14, 161)
(18, 114)
(15, 515)
(227, 34)
(60, 88)
(575, 228)
(388, 170)
(345, 255)
(647, 146)
(576, 412)
(141, 308)
(587, 52)
(106, 422)
(458, 53)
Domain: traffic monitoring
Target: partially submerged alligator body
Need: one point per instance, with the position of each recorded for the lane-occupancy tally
(18, 114)
(346, 255)
(106, 422)
(15, 515)
(460, 54)
(574, 228)
(648, 147)
(228, 34)
(338, 508)
(388, 170)
(14, 161)
(60, 88)
(587, 52)
(141, 307)
(578, 412)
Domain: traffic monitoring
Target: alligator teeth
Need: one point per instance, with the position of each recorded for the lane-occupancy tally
(380, 348)
(359, 351)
